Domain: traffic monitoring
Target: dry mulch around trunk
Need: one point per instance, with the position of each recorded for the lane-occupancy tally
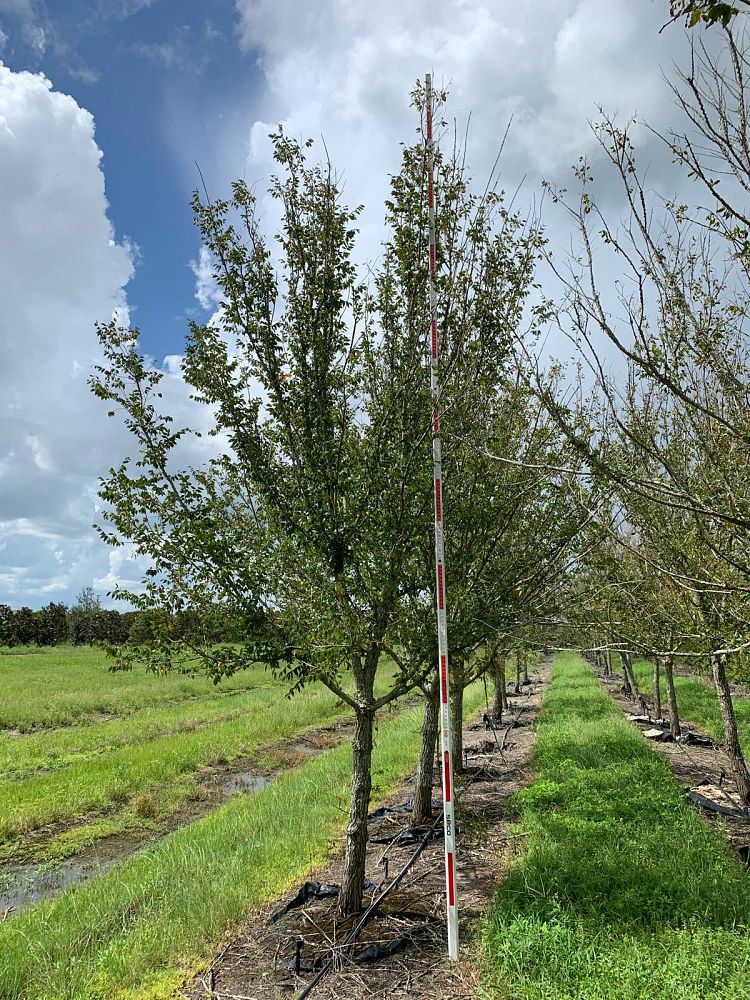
(260, 961)
(701, 767)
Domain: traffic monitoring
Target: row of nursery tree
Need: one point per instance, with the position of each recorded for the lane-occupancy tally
(585, 509)
(665, 433)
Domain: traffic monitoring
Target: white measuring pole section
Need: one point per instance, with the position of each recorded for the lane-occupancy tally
(440, 588)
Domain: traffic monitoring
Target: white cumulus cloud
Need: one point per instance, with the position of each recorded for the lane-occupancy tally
(61, 271)
(344, 70)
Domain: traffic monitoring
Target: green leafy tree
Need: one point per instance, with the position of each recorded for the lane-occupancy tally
(23, 627)
(52, 624)
(313, 529)
(87, 601)
(6, 630)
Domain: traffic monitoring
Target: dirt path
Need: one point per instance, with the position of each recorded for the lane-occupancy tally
(258, 962)
(700, 766)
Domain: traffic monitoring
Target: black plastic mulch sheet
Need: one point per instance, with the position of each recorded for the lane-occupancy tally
(376, 951)
(311, 891)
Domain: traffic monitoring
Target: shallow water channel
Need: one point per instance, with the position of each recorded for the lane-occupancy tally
(24, 885)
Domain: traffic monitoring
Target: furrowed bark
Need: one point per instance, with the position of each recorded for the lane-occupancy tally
(674, 715)
(657, 690)
(350, 900)
(422, 809)
(732, 746)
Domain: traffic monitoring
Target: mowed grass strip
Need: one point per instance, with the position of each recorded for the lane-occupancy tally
(51, 749)
(697, 702)
(622, 889)
(136, 931)
(111, 779)
(68, 684)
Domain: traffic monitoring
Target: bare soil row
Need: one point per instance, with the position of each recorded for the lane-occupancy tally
(270, 962)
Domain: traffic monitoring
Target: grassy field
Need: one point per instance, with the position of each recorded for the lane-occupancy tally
(42, 688)
(697, 702)
(622, 889)
(96, 778)
(135, 932)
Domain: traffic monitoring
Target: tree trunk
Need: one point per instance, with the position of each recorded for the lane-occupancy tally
(518, 673)
(500, 699)
(350, 900)
(657, 690)
(526, 668)
(608, 663)
(422, 809)
(674, 715)
(457, 727)
(625, 675)
(731, 739)
(632, 683)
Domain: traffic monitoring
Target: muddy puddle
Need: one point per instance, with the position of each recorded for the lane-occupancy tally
(25, 885)
(28, 884)
(244, 782)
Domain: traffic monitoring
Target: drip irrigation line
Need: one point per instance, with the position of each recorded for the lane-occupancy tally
(719, 778)
(514, 723)
(371, 910)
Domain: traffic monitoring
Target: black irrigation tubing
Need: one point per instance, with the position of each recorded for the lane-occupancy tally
(353, 934)
(512, 725)
(372, 909)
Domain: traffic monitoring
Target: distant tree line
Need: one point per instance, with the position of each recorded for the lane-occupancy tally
(86, 622)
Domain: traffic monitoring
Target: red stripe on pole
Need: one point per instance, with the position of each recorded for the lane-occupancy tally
(440, 596)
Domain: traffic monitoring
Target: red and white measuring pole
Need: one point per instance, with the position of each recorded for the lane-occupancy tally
(440, 588)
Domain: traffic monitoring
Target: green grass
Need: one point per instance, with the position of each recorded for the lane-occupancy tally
(170, 762)
(69, 684)
(134, 770)
(52, 749)
(622, 890)
(135, 931)
(697, 702)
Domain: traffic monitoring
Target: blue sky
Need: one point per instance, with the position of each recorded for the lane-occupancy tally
(123, 96)
(157, 78)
